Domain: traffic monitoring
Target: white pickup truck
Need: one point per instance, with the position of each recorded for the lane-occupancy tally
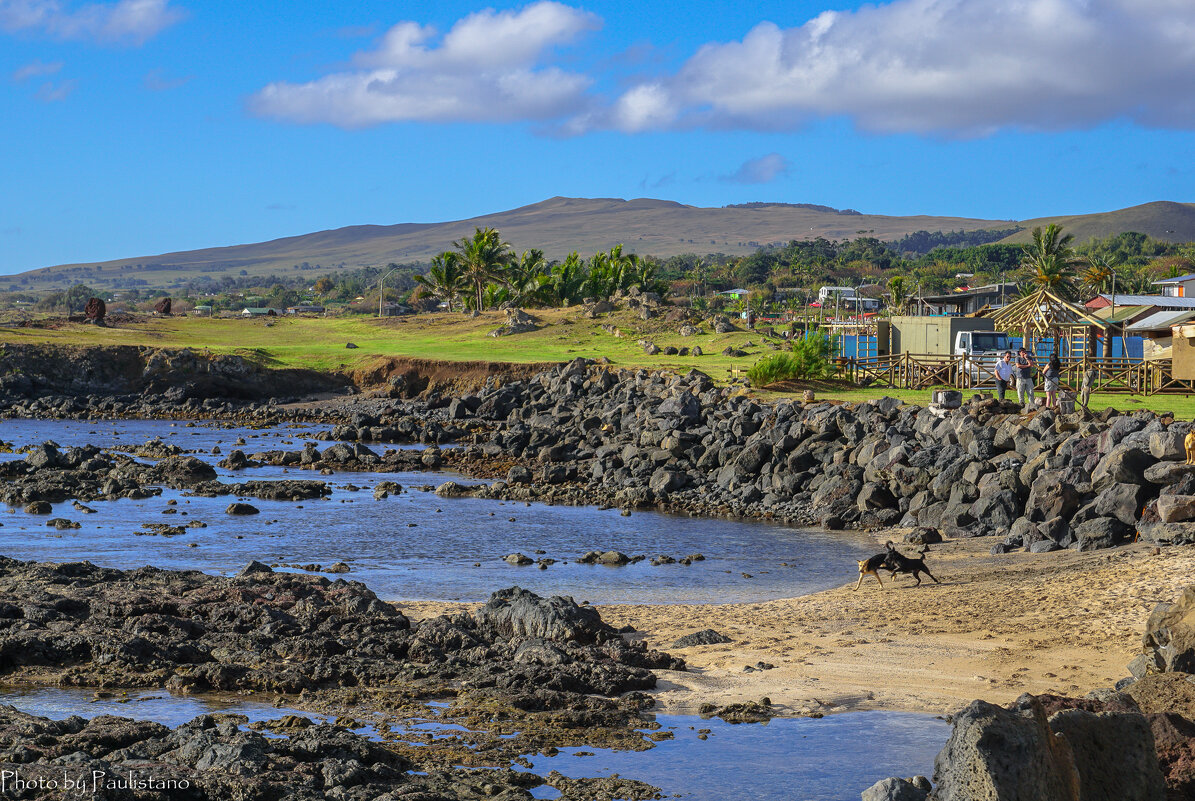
(984, 349)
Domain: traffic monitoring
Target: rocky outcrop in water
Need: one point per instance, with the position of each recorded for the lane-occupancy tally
(286, 632)
(48, 474)
(213, 758)
(1044, 748)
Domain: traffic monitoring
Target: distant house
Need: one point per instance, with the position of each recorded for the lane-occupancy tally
(259, 311)
(305, 308)
(969, 301)
(202, 311)
(736, 293)
(847, 297)
(1182, 286)
(1156, 302)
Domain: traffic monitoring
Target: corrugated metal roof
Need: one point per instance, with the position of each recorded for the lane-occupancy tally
(1179, 279)
(1161, 321)
(1122, 312)
(1161, 301)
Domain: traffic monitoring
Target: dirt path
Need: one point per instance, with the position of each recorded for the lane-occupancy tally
(997, 626)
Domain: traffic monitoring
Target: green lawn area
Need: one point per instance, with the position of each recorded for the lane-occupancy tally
(1182, 406)
(319, 343)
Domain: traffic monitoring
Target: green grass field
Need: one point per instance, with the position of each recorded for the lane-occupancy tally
(320, 344)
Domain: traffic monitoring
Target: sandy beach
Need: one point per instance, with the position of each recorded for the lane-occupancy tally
(997, 626)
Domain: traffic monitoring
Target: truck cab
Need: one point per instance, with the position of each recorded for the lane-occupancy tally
(983, 349)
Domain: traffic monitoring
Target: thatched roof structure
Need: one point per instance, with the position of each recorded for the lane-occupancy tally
(1043, 313)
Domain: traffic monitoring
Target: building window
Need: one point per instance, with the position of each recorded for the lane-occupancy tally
(1171, 291)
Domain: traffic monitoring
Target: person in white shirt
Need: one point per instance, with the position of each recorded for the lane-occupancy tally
(1004, 373)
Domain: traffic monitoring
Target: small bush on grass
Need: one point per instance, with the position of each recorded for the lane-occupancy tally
(811, 357)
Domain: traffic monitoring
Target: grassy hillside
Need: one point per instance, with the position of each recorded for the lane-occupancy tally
(557, 226)
(1162, 220)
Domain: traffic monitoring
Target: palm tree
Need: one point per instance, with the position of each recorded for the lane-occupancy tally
(568, 279)
(1098, 275)
(641, 273)
(898, 292)
(444, 280)
(527, 278)
(605, 274)
(1051, 260)
(482, 258)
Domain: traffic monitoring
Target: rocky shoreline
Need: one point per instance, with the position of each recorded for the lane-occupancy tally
(584, 433)
(551, 671)
(534, 673)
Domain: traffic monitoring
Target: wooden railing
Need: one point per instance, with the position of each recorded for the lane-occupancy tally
(923, 371)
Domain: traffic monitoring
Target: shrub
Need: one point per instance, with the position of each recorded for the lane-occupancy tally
(811, 357)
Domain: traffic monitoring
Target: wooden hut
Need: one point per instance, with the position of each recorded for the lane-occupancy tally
(1044, 316)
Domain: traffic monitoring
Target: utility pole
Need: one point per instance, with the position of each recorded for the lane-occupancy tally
(1112, 318)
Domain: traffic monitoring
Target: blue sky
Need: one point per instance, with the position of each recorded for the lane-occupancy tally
(135, 127)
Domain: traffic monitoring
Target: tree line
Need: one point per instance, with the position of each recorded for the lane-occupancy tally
(483, 272)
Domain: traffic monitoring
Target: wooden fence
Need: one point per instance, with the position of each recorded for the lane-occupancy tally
(923, 371)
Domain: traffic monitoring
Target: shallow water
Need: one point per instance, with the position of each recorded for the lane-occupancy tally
(416, 545)
(830, 759)
(833, 758)
(201, 436)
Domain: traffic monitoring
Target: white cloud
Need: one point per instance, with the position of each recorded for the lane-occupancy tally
(55, 93)
(487, 68)
(125, 21)
(762, 170)
(955, 67)
(156, 80)
(36, 69)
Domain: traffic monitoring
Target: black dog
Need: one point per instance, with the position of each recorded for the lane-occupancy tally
(895, 563)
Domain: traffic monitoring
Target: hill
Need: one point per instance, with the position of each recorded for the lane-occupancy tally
(558, 225)
(1162, 220)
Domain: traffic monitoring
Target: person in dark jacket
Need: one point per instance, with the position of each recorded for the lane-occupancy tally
(1025, 369)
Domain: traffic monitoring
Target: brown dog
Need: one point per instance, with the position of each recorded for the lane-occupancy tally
(871, 567)
(1189, 444)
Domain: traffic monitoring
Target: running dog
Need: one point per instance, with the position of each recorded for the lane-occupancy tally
(898, 563)
(872, 566)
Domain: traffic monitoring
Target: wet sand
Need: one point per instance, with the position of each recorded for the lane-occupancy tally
(997, 626)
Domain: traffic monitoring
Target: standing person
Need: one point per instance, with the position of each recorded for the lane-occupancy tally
(1005, 370)
(1089, 379)
(1025, 378)
(1053, 376)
